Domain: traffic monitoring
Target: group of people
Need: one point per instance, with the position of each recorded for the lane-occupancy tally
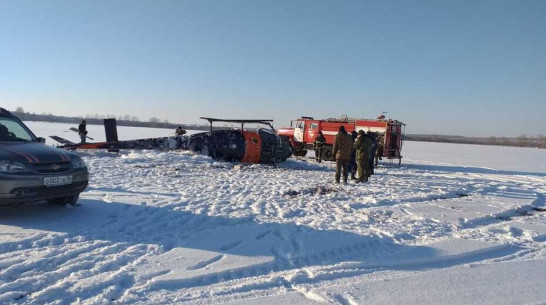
(354, 153)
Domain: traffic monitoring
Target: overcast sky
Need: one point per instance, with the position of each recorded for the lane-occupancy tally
(446, 67)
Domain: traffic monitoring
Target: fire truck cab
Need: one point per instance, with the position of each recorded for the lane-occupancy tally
(303, 132)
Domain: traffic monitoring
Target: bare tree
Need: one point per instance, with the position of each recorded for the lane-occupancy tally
(523, 140)
(542, 141)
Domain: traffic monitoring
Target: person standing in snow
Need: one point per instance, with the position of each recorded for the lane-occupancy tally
(342, 153)
(352, 161)
(373, 150)
(318, 145)
(379, 152)
(362, 146)
(82, 131)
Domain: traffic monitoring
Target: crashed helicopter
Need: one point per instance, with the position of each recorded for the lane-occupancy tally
(262, 145)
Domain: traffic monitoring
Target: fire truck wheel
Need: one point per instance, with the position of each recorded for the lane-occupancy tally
(327, 154)
(299, 152)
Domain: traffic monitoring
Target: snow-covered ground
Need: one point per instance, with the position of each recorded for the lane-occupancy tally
(455, 224)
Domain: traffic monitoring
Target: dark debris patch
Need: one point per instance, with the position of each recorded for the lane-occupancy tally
(503, 218)
(459, 195)
(517, 213)
(20, 297)
(318, 190)
(323, 190)
(292, 193)
(144, 166)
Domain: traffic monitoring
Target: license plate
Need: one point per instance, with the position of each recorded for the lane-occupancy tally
(58, 180)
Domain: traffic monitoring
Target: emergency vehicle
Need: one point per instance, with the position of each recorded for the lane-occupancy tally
(303, 132)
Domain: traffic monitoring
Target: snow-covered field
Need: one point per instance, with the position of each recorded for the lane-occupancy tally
(455, 224)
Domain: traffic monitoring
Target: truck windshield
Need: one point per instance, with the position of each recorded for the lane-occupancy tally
(11, 130)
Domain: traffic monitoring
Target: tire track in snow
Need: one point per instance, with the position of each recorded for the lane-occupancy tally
(345, 299)
(207, 263)
(232, 245)
(68, 267)
(293, 279)
(285, 262)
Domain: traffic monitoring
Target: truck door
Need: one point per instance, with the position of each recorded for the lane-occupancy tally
(387, 142)
(298, 131)
(398, 131)
(312, 132)
(394, 140)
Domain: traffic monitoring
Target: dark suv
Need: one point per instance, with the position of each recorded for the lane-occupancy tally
(33, 171)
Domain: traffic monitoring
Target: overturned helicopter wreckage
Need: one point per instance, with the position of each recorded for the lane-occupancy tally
(233, 145)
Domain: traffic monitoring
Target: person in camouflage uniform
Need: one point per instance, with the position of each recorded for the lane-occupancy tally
(363, 147)
(379, 152)
(318, 145)
(342, 152)
(352, 162)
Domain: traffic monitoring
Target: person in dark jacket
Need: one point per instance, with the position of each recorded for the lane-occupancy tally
(373, 150)
(352, 162)
(179, 131)
(82, 131)
(342, 152)
(318, 145)
(362, 146)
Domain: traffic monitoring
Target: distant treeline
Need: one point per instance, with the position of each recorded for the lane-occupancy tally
(95, 119)
(521, 141)
(98, 120)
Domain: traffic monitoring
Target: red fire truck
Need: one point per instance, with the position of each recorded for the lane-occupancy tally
(303, 132)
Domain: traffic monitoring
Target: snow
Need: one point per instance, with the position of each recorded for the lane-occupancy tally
(455, 224)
